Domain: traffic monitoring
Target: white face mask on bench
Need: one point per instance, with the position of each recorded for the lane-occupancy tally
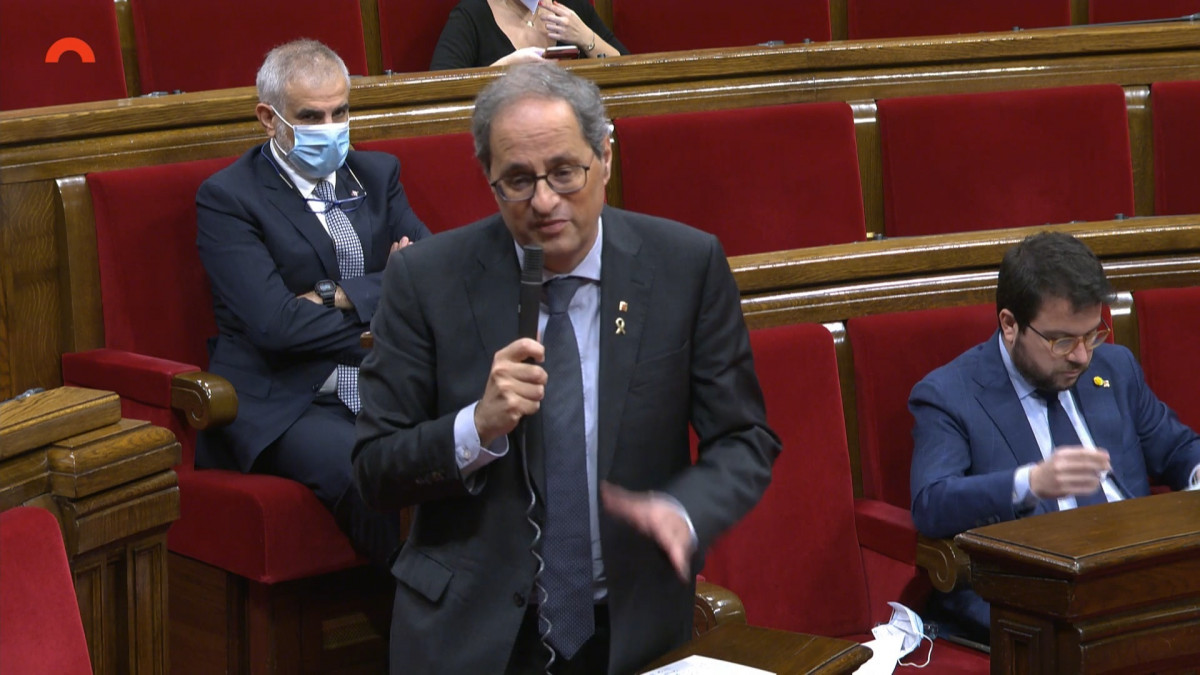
(893, 640)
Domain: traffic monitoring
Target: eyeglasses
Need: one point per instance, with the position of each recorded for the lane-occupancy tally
(1065, 345)
(316, 204)
(521, 187)
(347, 205)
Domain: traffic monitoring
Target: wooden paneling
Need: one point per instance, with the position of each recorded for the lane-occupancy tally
(29, 264)
(1141, 146)
(79, 268)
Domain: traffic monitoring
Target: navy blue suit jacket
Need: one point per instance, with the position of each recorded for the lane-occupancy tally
(262, 247)
(971, 434)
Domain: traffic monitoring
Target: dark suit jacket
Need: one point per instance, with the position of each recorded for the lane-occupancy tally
(261, 247)
(971, 434)
(466, 571)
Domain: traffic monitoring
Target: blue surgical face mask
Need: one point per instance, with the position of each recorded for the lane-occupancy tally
(318, 149)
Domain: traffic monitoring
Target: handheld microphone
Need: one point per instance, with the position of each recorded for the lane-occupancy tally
(531, 292)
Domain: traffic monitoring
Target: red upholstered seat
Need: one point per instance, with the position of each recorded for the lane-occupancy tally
(193, 45)
(1005, 159)
(1176, 146)
(883, 380)
(1168, 329)
(673, 25)
(90, 70)
(41, 631)
(798, 561)
(761, 179)
(444, 182)
(157, 318)
(873, 19)
(1105, 11)
(408, 32)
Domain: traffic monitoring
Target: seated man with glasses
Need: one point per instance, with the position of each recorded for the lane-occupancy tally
(1043, 416)
(294, 236)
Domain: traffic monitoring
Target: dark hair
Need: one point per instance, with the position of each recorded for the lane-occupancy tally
(1049, 264)
(542, 80)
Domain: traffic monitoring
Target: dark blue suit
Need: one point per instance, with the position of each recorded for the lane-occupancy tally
(262, 247)
(971, 434)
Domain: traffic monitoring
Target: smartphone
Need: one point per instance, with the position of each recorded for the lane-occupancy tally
(561, 52)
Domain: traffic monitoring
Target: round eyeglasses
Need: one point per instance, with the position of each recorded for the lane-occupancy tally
(1065, 345)
(521, 187)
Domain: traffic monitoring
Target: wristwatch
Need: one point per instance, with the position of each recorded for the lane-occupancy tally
(327, 290)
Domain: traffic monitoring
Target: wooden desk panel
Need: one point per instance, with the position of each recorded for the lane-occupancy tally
(1113, 588)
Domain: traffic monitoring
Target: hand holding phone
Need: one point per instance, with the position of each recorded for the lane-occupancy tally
(561, 52)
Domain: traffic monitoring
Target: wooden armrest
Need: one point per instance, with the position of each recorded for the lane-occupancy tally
(206, 400)
(715, 605)
(948, 566)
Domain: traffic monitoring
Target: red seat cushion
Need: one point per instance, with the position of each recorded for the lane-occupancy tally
(41, 630)
(264, 528)
(872, 19)
(444, 182)
(882, 382)
(1004, 159)
(193, 45)
(1105, 11)
(89, 71)
(408, 32)
(761, 179)
(1168, 325)
(1176, 146)
(673, 25)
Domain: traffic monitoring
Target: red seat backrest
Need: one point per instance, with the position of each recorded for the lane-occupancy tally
(32, 31)
(672, 25)
(1176, 146)
(794, 560)
(1105, 11)
(873, 19)
(444, 182)
(761, 179)
(970, 162)
(153, 286)
(42, 630)
(409, 30)
(1168, 326)
(194, 45)
(883, 379)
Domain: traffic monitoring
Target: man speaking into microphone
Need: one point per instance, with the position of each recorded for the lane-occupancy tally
(560, 519)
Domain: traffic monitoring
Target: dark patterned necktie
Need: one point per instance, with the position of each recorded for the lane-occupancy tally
(350, 265)
(567, 539)
(1062, 432)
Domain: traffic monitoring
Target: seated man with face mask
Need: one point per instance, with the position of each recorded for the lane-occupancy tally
(294, 236)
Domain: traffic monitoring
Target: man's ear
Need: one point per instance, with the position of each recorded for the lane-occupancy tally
(1008, 327)
(266, 117)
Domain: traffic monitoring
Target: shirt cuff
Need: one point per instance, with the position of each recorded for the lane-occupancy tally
(1023, 497)
(469, 453)
(675, 504)
(1194, 483)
